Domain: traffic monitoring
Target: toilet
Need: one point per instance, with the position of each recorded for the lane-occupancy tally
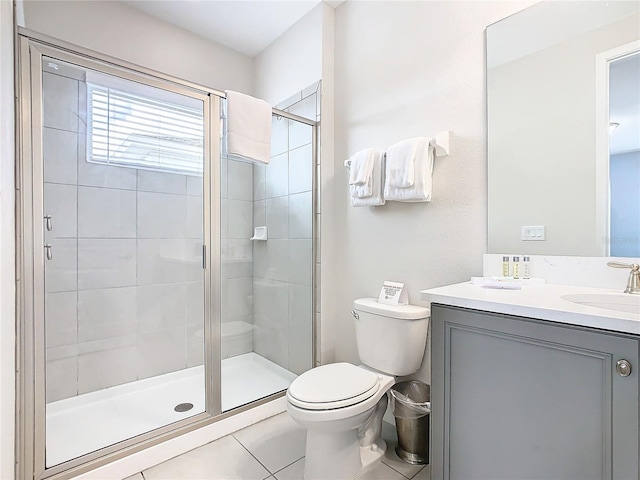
(341, 405)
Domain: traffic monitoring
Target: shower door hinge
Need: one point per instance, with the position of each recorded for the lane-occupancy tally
(204, 257)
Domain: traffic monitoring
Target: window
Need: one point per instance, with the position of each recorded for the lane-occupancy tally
(130, 129)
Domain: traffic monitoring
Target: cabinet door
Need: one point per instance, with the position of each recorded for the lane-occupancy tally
(516, 398)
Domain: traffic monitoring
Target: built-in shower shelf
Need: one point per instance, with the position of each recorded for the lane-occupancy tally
(260, 234)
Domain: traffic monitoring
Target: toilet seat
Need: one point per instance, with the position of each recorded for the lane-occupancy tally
(333, 386)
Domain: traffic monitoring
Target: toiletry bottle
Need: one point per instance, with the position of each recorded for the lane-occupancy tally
(516, 267)
(505, 266)
(526, 267)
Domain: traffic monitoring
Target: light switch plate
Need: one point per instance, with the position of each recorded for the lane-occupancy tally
(533, 233)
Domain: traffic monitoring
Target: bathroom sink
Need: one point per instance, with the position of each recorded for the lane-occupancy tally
(622, 302)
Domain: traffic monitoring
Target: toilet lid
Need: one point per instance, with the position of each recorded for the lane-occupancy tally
(333, 386)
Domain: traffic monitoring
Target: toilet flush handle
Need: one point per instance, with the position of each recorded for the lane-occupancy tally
(355, 314)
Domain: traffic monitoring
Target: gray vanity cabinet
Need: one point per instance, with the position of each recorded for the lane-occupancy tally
(516, 398)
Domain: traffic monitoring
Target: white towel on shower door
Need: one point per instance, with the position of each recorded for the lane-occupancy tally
(248, 127)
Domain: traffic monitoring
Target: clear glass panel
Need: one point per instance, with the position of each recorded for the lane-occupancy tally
(267, 266)
(124, 294)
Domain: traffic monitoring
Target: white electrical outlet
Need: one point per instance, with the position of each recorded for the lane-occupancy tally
(533, 233)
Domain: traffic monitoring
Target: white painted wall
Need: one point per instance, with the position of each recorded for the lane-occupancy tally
(116, 29)
(327, 246)
(543, 163)
(404, 69)
(7, 245)
(293, 61)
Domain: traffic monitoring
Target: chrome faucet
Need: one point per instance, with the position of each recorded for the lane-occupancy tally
(633, 284)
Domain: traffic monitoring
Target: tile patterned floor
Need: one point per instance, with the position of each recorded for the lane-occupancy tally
(270, 450)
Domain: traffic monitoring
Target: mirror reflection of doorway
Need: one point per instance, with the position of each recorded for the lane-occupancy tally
(624, 156)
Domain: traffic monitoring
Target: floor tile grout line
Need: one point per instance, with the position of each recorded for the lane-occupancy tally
(249, 451)
(287, 466)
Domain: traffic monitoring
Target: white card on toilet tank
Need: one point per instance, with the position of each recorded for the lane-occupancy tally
(393, 293)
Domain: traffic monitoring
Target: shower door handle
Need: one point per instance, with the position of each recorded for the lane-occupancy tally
(48, 252)
(47, 223)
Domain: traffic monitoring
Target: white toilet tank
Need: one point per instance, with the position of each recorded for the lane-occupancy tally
(391, 338)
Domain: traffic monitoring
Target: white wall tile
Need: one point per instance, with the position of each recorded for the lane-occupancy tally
(60, 151)
(278, 217)
(61, 319)
(240, 219)
(161, 306)
(300, 215)
(106, 263)
(195, 345)
(310, 90)
(61, 202)
(300, 169)
(224, 178)
(106, 213)
(82, 100)
(300, 328)
(270, 341)
(106, 313)
(62, 377)
(107, 367)
(162, 215)
(224, 218)
(234, 344)
(168, 261)
(304, 108)
(279, 135)
(301, 260)
(97, 175)
(271, 302)
(61, 273)
(259, 213)
(240, 182)
(259, 181)
(285, 104)
(277, 180)
(271, 260)
(300, 133)
(195, 217)
(161, 352)
(160, 182)
(60, 100)
(195, 304)
(239, 297)
(238, 260)
(195, 186)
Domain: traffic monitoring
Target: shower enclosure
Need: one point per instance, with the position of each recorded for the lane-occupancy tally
(147, 306)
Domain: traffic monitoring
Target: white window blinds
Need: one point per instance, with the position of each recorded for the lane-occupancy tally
(132, 130)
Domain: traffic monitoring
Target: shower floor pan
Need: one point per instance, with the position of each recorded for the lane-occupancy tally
(85, 423)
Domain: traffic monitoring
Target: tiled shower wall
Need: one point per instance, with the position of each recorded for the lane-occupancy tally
(124, 290)
(282, 273)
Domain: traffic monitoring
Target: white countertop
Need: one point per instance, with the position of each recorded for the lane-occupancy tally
(541, 301)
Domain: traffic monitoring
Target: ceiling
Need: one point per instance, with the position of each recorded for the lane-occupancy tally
(247, 26)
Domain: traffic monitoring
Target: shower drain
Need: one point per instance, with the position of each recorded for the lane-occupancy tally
(183, 407)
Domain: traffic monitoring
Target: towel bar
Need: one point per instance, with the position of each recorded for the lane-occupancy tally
(440, 143)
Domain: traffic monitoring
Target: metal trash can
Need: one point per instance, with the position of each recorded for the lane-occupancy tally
(411, 405)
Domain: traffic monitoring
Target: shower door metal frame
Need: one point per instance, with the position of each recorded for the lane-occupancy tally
(30, 384)
(30, 417)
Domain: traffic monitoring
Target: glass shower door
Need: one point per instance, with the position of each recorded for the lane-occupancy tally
(123, 207)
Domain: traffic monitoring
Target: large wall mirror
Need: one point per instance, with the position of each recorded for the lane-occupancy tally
(563, 99)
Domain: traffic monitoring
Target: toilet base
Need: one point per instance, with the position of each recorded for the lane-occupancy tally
(349, 459)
